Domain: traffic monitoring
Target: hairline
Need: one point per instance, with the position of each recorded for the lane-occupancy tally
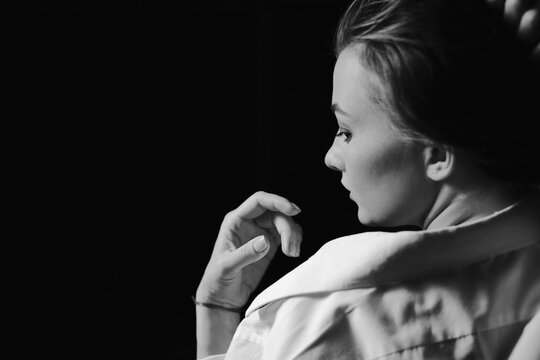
(379, 92)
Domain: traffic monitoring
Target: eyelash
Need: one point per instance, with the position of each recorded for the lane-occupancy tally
(344, 132)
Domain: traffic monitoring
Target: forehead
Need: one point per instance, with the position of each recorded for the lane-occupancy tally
(353, 84)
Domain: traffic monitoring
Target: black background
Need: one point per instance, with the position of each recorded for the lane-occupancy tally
(161, 117)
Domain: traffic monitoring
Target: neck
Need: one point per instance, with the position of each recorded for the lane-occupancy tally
(454, 205)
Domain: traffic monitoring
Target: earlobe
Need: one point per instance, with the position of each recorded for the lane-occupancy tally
(439, 162)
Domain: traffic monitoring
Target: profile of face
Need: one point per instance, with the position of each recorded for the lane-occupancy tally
(384, 171)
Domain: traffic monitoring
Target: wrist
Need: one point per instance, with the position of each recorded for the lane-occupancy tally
(215, 306)
(205, 294)
(215, 330)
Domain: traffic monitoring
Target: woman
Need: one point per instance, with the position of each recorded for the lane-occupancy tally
(423, 90)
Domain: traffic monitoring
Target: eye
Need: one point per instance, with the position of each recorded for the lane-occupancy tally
(344, 133)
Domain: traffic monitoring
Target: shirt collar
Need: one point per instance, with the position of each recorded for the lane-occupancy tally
(383, 258)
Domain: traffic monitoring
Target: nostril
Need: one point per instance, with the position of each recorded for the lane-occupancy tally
(332, 167)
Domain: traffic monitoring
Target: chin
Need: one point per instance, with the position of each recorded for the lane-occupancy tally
(367, 219)
(382, 219)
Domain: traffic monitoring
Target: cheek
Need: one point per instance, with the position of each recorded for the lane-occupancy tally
(377, 162)
(385, 171)
(385, 177)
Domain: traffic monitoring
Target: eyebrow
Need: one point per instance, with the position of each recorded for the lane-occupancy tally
(336, 109)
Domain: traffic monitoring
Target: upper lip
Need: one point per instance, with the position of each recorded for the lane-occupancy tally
(346, 188)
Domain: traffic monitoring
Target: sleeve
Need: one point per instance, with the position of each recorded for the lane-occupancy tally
(528, 346)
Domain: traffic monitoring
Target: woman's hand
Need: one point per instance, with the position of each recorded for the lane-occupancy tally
(524, 17)
(247, 241)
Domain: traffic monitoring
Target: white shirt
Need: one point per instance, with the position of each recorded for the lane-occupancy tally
(461, 292)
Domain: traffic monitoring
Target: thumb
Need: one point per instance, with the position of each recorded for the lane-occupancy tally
(250, 252)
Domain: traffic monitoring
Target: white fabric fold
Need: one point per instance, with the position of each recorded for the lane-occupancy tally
(384, 258)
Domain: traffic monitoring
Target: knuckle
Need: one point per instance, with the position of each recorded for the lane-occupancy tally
(222, 267)
(228, 216)
(259, 194)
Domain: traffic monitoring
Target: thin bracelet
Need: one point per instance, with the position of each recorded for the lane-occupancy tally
(216, 306)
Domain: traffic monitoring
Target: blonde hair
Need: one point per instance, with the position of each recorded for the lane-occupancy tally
(452, 73)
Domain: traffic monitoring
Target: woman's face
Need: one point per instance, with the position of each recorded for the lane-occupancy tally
(382, 170)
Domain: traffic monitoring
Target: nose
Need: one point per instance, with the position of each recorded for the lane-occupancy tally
(333, 158)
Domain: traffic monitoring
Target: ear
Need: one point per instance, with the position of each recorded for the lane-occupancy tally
(438, 161)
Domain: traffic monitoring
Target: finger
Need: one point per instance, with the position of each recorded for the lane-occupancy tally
(262, 201)
(286, 232)
(252, 251)
(299, 237)
(529, 26)
(514, 10)
(288, 235)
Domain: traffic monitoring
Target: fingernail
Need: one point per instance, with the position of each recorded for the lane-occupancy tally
(260, 244)
(297, 250)
(296, 207)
